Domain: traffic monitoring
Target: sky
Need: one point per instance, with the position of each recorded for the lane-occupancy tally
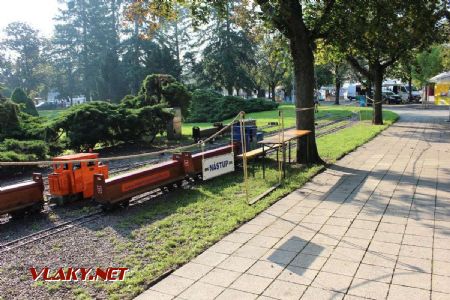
(37, 13)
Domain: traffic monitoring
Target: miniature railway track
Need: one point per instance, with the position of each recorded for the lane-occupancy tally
(74, 223)
(48, 232)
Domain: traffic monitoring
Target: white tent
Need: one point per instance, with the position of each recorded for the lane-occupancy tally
(443, 77)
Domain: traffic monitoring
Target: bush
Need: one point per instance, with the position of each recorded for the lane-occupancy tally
(26, 104)
(160, 89)
(209, 106)
(38, 149)
(205, 106)
(91, 123)
(87, 124)
(15, 151)
(9, 119)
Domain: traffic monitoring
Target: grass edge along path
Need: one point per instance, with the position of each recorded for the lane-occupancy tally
(186, 223)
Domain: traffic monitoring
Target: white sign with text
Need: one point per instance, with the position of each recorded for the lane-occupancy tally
(218, 165)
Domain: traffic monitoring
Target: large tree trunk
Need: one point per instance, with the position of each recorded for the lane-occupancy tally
(409, 89)
(303, 58)
(377, 74)
(230, 90)
(272, 92)
(338, 89)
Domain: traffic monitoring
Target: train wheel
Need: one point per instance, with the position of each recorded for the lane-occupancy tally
(125, 203)
(18, 214)
(37, 208)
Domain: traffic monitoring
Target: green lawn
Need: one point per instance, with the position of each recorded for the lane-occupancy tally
(326, 113)
(169, 232)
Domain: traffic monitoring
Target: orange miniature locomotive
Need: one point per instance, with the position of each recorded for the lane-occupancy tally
(75, 180)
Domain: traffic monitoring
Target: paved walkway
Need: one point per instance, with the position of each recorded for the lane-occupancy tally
(375, 225)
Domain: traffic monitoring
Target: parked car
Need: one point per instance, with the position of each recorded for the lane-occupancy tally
(391, 98)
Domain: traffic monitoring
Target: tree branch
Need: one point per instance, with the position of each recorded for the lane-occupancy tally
(317, 31)
(357, 66)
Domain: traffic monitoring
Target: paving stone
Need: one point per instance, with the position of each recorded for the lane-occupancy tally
(442, 243)
(153, 295)
(439, 296)
(374, 273)
(201, 291)
(368, 289)
(364, 224)
(238, 237)
(384, 247)
(319, 250)
(192, 271)
(220, 277)
(284, 290)
(298, 275)
(309, 261)
(266, 269)
(338, 266)
(250, 228)
(441, 254)
(225, 247)
(414, 264)
(237, 264)
(231, 294)
(332, 282)
(251, 283)
(314, 293)
(325, 239)
(350, 254)
(172, 285)
(290, 243)
(441, 268)
(380, 259)
(412, 279)
(441, 284)
(210, 258)
(360, 233)
(417, 252)
(397, 292)
(414, 240)
(250, 251)
(263, 241)
(388, 237)
(274, 232)
(392, 228)
(281, 257)
(352, 242)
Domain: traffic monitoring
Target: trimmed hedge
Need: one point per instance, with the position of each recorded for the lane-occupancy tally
(210, 106)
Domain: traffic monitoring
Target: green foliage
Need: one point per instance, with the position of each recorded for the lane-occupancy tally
(87, 124)
(9, 119)
(427, 64)
(26, 104)
(12, 150)
(35, 148)
(91, 123)
(210, 106)
(160, 89)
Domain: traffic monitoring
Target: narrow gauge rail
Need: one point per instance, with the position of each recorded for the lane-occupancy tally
(75, 223)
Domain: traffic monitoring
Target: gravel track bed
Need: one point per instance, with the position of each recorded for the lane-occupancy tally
(93, 244)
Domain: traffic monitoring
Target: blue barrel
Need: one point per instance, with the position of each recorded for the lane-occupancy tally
(250, 135)
(362, 100)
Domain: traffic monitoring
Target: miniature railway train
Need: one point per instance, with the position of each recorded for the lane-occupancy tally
(88, 178)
